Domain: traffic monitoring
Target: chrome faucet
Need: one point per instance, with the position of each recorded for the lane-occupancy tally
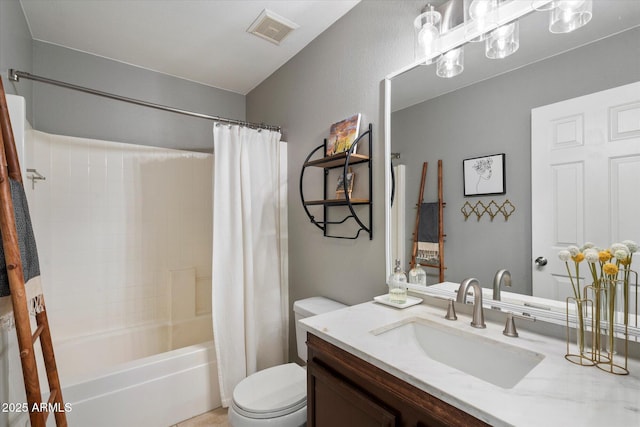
(478, 314)
(501, 275)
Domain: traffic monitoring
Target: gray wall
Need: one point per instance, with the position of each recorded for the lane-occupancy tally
(494, 117)
(15, 47)
(15, 52)
(63, 111)
(338, 74)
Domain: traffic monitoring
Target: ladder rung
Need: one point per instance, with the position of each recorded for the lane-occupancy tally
(52, 398)
(37, 333)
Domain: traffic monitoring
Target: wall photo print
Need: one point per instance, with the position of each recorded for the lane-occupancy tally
(341, 184)
(342, 135)
(484, 175)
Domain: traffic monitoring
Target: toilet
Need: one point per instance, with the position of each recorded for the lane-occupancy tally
(277, 396)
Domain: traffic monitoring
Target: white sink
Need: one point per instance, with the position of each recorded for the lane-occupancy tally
(498, 363)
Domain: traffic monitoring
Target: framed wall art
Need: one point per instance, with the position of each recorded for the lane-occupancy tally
(484, 175)
(342, 135)
(341, 184)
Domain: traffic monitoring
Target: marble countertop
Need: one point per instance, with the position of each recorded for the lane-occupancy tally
(554, 393)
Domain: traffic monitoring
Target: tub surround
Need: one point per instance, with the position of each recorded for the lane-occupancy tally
(174, 386)
(555, 392)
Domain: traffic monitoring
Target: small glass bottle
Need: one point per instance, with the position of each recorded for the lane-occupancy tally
(417, 275)
(398, 285)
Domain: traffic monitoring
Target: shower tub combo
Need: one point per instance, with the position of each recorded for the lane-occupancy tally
(124, 240)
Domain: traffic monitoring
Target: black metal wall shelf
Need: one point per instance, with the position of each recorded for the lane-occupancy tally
(341, 160)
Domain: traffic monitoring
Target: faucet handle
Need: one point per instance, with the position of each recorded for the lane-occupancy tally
(451, 311)
(510, 326)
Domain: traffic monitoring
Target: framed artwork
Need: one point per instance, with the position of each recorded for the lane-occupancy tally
(484, 175)
(340, 187)
(342, 135)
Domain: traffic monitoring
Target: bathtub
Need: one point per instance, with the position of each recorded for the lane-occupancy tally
(132, 377)
(154, 391)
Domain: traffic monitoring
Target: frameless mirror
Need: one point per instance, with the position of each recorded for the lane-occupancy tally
(486, 111)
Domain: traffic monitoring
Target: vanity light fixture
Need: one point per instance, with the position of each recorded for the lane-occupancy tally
(442, 33)
(427, 27)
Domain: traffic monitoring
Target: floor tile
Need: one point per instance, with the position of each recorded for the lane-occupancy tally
(215, 418)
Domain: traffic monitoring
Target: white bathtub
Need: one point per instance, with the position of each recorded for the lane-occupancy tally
(132, 377)
(155, 391)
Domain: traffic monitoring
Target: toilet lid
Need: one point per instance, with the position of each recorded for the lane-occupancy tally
(274, 391)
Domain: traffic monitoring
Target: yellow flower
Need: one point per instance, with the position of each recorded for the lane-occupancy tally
(610, 269)
(578, 258)
(604, 256)
(625, 261)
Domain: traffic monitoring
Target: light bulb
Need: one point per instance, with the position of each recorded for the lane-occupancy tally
(480, 16)
(427, 27)
(503, 41)
(428, 34)
(569, 15)
(451, 63)
(504, 31)
(478, 9)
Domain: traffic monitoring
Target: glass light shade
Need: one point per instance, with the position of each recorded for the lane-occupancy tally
(479, 16)
(569, 15)
(427, 28)
(541, 6)
(451, 63)
(503, 41)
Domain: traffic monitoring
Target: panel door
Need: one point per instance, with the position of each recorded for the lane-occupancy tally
(585, 179)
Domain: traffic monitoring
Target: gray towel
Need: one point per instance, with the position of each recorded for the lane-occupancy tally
(26, 240)
(428, 226)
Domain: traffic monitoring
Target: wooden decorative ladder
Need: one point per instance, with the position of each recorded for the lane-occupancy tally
(38, 413)
(441, 204)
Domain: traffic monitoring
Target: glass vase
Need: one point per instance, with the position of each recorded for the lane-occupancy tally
(580, 332)
(614, 327)
(598, 293)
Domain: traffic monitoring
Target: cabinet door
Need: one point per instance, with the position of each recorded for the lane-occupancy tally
(334, 403)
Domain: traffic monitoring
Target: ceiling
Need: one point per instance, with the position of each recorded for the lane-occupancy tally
(205, 41)
(536, 43)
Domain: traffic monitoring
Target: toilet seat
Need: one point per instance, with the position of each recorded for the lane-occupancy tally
(272, 392)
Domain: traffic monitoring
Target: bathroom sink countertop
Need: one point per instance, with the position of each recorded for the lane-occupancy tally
(554, 393)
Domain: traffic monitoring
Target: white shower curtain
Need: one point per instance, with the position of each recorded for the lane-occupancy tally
(249, 289)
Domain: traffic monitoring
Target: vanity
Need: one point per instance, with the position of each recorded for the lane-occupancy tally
(371, 364)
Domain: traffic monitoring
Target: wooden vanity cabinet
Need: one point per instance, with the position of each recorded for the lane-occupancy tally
(346, 391)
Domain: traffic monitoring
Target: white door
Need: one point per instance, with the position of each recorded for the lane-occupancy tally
(585, 180)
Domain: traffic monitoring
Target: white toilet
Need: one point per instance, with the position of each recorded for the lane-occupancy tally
(277, 396)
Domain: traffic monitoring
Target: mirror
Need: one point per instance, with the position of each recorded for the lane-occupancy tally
(486, 110)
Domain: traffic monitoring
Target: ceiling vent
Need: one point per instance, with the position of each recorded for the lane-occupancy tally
(271, 27)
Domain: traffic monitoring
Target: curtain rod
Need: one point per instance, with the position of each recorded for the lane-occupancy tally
(15, 75)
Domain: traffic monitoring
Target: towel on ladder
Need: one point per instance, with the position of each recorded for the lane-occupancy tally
(428, 245)
(28, 256)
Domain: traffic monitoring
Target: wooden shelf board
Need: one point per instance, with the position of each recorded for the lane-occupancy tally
(337, 202)
(337, 160)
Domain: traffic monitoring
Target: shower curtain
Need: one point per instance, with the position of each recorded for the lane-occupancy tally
(249, 279)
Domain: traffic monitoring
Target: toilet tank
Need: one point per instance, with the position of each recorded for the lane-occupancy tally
(306, 308)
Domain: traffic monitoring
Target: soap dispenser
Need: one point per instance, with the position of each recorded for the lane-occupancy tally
(398, 285)
(417, 275)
